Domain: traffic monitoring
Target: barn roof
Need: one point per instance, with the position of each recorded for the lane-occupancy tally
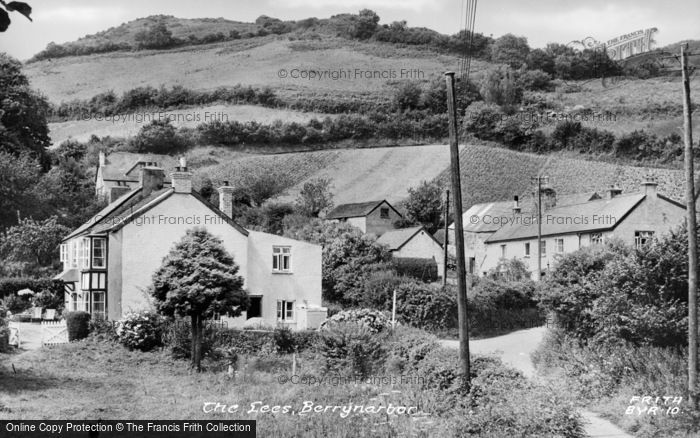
(395, 239)
(358, 209)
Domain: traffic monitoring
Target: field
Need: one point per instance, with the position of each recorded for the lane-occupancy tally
(126, 125)
(92, 380)
(254, 62)
(488, 173)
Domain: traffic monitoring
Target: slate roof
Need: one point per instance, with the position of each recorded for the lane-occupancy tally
(132, 205)
(597, 215)
(358, 209)
(505, 209)
(122, 166)
(395, 239)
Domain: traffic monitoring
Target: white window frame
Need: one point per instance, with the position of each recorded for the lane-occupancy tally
(646, 235)
(559, 246)
(285, 311)
(93, 302)
(63, 253)
(84, 253)
(281, 259)
(73, 254)
(103, 258)
(596, 238)
(543, 248)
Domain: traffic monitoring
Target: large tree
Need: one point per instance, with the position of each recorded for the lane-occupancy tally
(23, 126)
(197, 279)
(424, 205)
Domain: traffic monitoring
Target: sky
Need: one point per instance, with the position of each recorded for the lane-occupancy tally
(540, 21)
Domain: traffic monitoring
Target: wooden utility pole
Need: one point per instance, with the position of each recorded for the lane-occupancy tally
(446, 240)
(692, 237)
(538, 181)
(459, 233)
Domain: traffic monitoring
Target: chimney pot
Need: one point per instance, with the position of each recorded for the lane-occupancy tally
(649, 186)
(181, 180)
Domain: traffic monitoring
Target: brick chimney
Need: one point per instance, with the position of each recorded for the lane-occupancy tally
(613, 191)
(151, 179)
(516, 205)
(649, 186)
(226, 199)
(182, 178)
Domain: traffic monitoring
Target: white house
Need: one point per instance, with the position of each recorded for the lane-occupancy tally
(496, 234)
(109, 261)
(415, 243)
(373, 217)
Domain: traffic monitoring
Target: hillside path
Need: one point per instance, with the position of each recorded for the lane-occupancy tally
(514, 350)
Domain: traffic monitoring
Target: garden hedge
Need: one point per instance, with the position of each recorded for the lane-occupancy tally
(78, 324)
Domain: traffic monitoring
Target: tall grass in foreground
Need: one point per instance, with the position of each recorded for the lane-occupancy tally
(605, 378)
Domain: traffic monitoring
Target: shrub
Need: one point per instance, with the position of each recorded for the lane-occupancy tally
(428, 306)
(16, 304)
(140, 331)
(284, 340)
(49, 300)
(374, 320)
(177, 335)
(78, 324)
(4, 339)
(245, 341)
(421, 269)
(535, 80)
(10, 286)
(103, 329)
(159, 137)
(408, 346)
(349, 346)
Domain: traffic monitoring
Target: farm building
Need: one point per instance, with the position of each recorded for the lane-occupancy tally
(373, 217)
(504, 230)
(109, 261)
(413, 243)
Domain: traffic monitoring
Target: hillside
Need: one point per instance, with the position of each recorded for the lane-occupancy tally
(488, 173)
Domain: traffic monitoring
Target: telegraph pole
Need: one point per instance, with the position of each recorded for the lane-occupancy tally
(692, 237)
(446, 240)
(538, 180)
(459, 233)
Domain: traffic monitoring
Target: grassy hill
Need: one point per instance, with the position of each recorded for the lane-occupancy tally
(488, 173)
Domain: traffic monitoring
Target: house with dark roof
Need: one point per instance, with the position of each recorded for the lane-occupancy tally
(494, 234)
(119, 172)
(109, 261)
(413, 243)
(373, 217)
(481, 221)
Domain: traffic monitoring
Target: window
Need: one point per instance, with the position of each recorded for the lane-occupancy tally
(543, 248)
(503, 251)
(255, 309)
(98, 304)
(527, 249)
(64, 252)
(99, 252)
(559, 245)
(596, 238)
(281, 258)
(93, 280)
(84, 253)
(285, 310)
(641, 238)
(472, 264)
(73, 253)
(384, 213)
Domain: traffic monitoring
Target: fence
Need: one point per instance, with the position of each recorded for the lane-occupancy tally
(54, 332)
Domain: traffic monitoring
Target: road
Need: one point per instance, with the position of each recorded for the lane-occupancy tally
(514, 350)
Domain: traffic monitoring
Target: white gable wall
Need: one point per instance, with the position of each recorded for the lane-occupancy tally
(145, 244)
(422, 246)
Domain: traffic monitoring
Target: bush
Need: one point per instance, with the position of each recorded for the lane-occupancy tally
(10, 286)
(421, 269)
(4, 339)
(159, 137)
(49, 300)
(140, 331)
(16, 304)
(408, 346)
(78, 324)
(353, 347)
(177, 335)
(427, 306)
(245, 341)
(374, 320)
(284, 340)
